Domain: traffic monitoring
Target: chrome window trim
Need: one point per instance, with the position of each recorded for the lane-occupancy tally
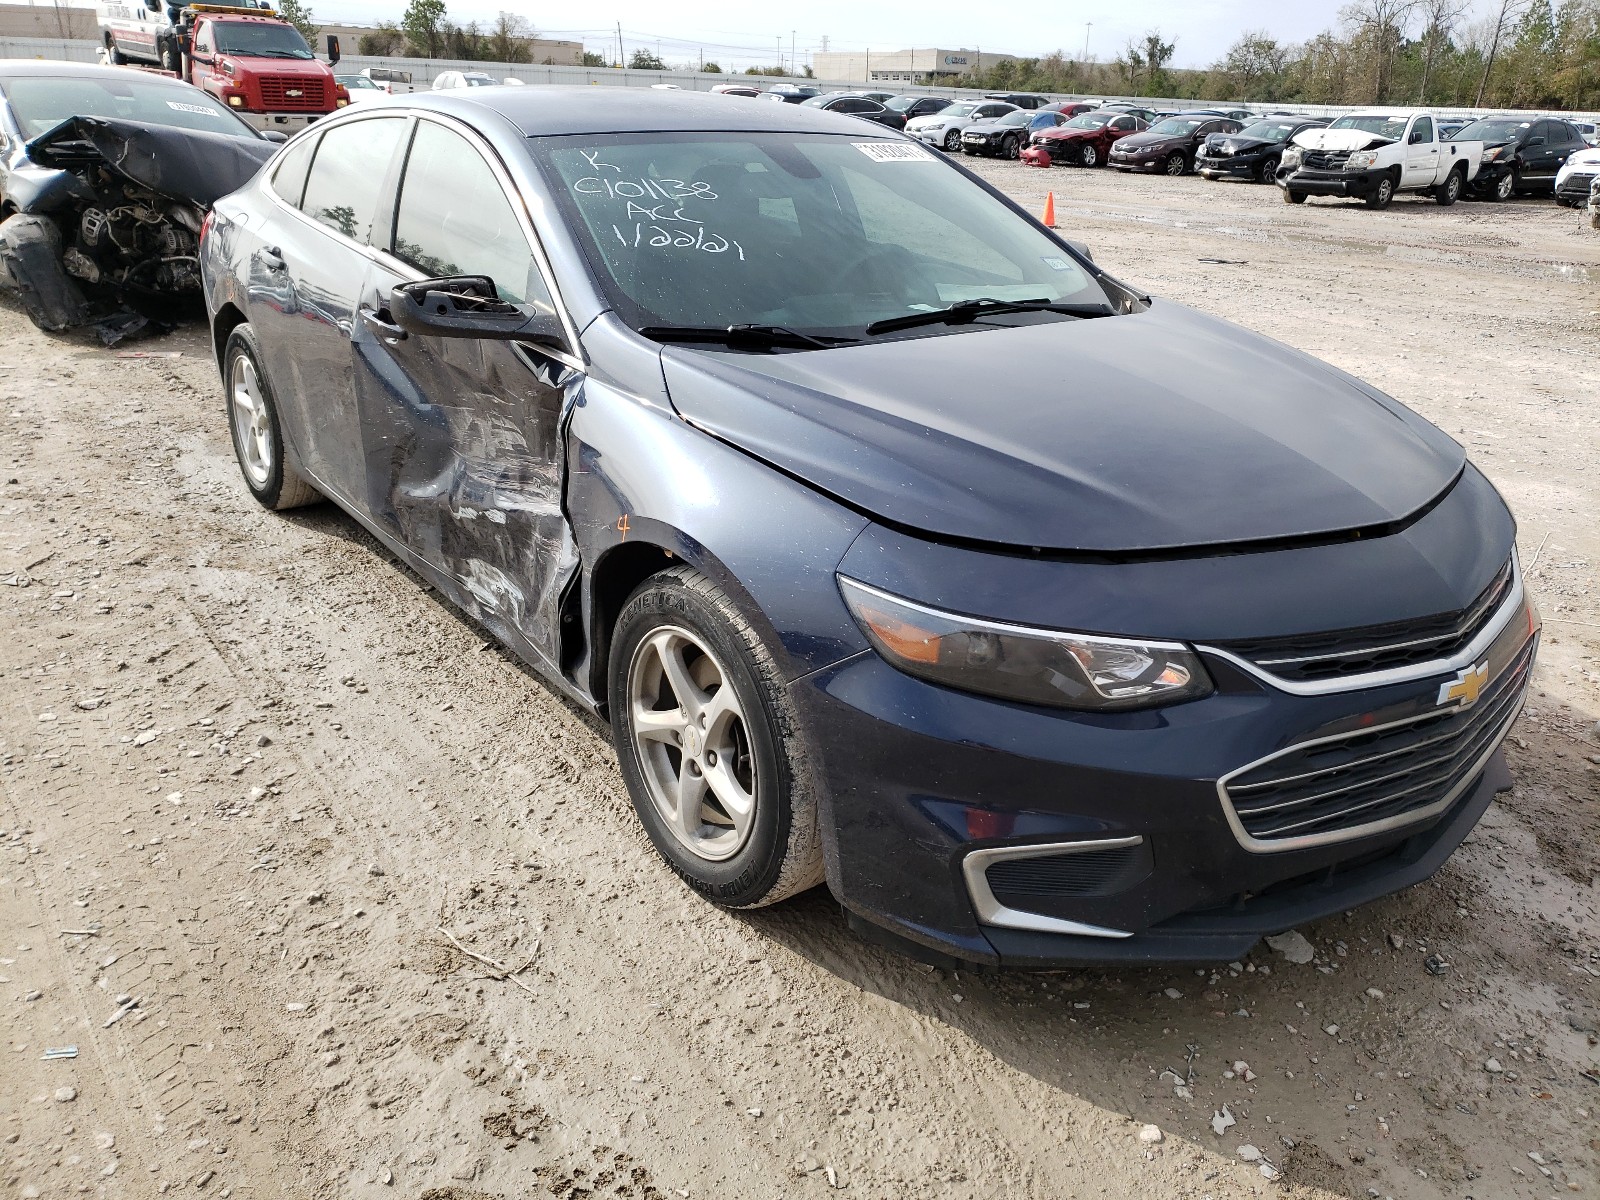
(1468, 654)
(991, 912)
(1399, 821)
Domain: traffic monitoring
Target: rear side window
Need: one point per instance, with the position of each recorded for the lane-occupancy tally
(453, 218)
(289, 172)
(347, 175)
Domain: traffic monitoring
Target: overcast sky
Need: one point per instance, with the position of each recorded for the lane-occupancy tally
(736, 34)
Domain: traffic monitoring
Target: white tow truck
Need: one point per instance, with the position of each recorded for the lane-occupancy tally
(1373, 155)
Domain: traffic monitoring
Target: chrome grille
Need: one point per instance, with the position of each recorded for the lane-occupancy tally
(1407, 769)
(1325, 160)
(1345, 652)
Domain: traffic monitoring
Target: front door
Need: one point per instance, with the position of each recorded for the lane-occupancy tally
(305, 281)
(1422, 155)
(462, 436)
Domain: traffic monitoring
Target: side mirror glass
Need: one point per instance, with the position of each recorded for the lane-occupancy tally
(468, 306)
(274, 135)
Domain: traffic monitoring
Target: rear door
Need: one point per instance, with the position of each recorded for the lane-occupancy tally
(305, 278)
(1421, 164)
(1542, 153)
(462, 436)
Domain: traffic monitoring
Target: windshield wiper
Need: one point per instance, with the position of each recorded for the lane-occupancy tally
(963, 311)
(755, 337)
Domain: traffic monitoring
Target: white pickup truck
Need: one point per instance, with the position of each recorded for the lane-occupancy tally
(1373, 155)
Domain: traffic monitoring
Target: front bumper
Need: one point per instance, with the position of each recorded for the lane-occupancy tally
(1238, 167)
(1153, 163)
(930, 137)
(1574, 189)
(1037, 156)
(934, 781)
(979, 146)
(1330, 183)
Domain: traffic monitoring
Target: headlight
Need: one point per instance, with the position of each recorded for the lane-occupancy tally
(1035, 666)
(236, 101)
(1361, 160)
(1291, 157)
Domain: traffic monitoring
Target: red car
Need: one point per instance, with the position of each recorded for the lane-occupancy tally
(1083, 141)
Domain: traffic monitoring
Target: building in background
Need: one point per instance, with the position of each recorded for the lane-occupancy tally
(540, 50)
(49, 21)
(904, 66)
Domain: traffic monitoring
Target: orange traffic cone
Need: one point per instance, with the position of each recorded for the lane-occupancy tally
(1050, 210)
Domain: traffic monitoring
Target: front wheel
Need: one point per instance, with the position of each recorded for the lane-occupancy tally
(257, 429)
(1088, 156)
(706, 737)
(116, 57)
(1505, 186)
(1448, 192)
(1176, 164)
(1268, 170)
(1011, 148)
(1382, 193)
(1293, 197)
(952, 141)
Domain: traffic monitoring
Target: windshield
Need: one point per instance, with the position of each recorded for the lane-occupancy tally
(819, 234)
(40, 104)
(1393, 128)
(1179, 126)
(1269, 131)
(1490, 130)
(252, 39)
(1014, 119)
(1091, 121)
(959, 110)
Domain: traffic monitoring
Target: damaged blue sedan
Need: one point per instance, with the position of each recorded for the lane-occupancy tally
(902, 547)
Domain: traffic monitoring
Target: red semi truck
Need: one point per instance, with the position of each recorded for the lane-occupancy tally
(245, 55)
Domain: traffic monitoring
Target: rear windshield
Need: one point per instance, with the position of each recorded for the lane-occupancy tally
(819, 234)
(40, 104)
(253, 39)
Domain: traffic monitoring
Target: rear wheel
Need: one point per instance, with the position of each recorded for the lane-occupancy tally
(171, 60)
(952, 141)
(1448, 192)
(706, 737)
(1382, 192)
(1176, 164)
(257, 432)
(1268, 170)
(1089, 156)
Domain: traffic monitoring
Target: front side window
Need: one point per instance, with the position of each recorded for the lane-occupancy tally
(453, 218)
(347, 175)
(1422, 131)
(815, 233)
(202, 38)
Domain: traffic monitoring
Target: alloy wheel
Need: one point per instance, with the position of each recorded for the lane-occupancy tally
(1175, 164)
(252, 425)
(952, 141)
(1011, 148)
(692, 743)
(1088, 156)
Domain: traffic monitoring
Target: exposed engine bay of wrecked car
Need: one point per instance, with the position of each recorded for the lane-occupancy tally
(112, 220)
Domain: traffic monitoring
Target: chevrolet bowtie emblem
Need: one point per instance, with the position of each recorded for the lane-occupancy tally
(295, 93)
(1466, 687)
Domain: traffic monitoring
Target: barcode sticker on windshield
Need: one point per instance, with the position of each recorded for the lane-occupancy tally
(892, 152)
(178, 106)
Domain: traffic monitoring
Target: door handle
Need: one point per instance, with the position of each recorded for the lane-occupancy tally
(271, 258)
(374, 319)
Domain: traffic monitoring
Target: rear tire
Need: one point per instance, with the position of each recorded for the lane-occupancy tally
(1089, 156)
(171, 60)
(1176, 164)
(761, 844)
(253, 421)
(1448, 192)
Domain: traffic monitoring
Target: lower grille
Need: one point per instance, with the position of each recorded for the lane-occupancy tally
(1325, 160)
(1339, 785)
(292, 93)
(1016, 881)
(1344, 652)
(1575, 187)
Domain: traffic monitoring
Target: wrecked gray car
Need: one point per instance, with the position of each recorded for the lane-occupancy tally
(106, 176)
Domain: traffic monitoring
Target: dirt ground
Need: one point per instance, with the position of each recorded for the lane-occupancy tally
(278, 824)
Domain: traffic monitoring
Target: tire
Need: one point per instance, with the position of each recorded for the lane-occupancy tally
(1448, 192)
(1382, 192)
(171, 60)
(1088, 156)
(1293, 197)
(31, 267)
(952, 141)
(258, 445)
(1011, 148)
(1176, 164)
(1268, 170)
(116, 57)
(1505, 187)
(682, 617)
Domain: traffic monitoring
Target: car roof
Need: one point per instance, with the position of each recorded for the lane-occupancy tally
(34, 68)
(555, 110)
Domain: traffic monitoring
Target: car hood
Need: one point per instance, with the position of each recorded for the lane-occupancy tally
(1163, 430)
(185, 164)
(1067, 135)
(1239, 145)
(1149, 141)
(1340, 139)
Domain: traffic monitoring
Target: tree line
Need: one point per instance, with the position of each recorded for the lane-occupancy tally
(1523, 54)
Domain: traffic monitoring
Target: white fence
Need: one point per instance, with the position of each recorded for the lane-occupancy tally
(423, 71)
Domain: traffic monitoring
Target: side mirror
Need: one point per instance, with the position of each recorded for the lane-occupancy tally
(274, 135)
(333, 50)
(1535, 141)
(468, 306)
